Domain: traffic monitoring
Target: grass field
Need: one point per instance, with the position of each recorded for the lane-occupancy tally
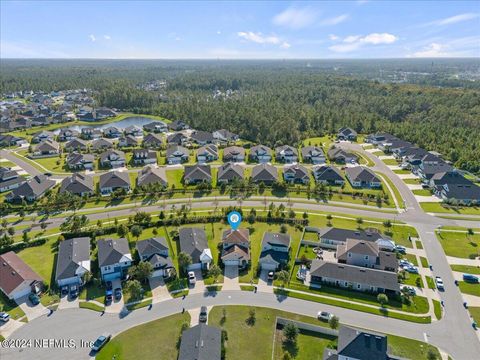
(10, 307)
(309, 345)
(469, 288)
(460, 245)
(409, 181)
(437, 308)
(422, 192)
(402, 171)
(390, 161)
(466, 269)
(439, 208)
(475, 312)
(41, 259)
(91, 306)
(430, 282)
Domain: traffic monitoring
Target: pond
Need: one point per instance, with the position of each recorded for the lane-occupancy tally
(121, 124)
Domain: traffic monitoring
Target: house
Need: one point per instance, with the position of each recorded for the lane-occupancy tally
(366, 254)
(176, 138)
(76, 145)
(127, 141)
(152, 175)
(177, 154)
(31, 190)
(193, 242)
(296, 174)
(286, 153)
(68, 134)
(112, 132)
(47, 148)
(112, 159)
(10, 140)
(198, 173)
(78, 184)
(153, 141)
(353, 277)
(331, 237)
(114, 180)
(76, 161)
(89, 133)
(101, 144)
(133, 130)
(155, 251)
(236, 247)
(114, 258)
(202, 137)
(103, 113)
(73, 261)
(346, 133)
(340, 156)
(144, 157)
(207, 153)
(265, 173)
(17, 279)
(224, 136)
(42, 136)
(375, 139)
(427, 170)
(452, 185)
(156, 126)
(356, 344)
(177, 125)
(229, 172)
(274, 253)
(361, 176)
(9, 179)
(313, 154)
(261, 154)
(234, 154)
(328, 175)
(201, 342)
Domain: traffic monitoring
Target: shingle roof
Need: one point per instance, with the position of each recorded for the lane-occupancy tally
(309, 151)
(264, 172)
(72, 254)
(201, 342)
(361, 173)
(202, 136)
(298, 171)
(327, 173)
(198, 172)
(114, 179)
(34, 187)
(238, 236)
(14, 271)
(232, 152)
(360, 344)
(151, 246)
(77, 184)
(192, 242)
(154, 139)
(74, 159)
(276, 239)
(255, 150)
(338, 234)
(174, 149)
(151, 175)
(111, 251)
(230, 171)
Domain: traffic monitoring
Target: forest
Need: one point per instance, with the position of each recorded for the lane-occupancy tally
(283, 102)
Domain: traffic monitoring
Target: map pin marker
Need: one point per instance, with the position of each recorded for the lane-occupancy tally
(234, 219)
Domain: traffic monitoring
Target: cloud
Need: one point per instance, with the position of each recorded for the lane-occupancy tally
(92, 37)
(334, 20)
(459, 47)
(258, 38)
(295, 18)
(333, 37)
(219, 32)
(354, 42)
(454, 19)
(107, 37)
(432, 50)
(285, 45)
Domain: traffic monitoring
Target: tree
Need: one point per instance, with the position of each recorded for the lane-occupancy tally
(183, 261)
(382, 299)
(11, 231)
(74, 223)
(387, 224)
(43, 225)
(136, 231)
(283, 276)
(87, 277)
(25, 237)
(283, 229)
(134, 288)
(122, 230)
(214, 272)
(143, 271)
(290, 333)
(252, 317)
(334, 322)
(305, 215)
(432, 355)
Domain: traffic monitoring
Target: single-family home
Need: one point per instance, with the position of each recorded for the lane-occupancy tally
(76, 145)
(177, 154)
(133, 130)
(112, 132)
(296, 174)
(114, 180)
(236, 247)
(78, 184)
(265, 173)
(286, 153)
(101, 144)
(198, 173)
(17, 279)
(10, 140)
(378, 138)
(127, 141)
(46, 148)
(152, 175)
(202, 137)
(313, 154)
(90, 133)
(193, 242)
(177, 138)
(178, 125)
(112, 159)
(260, 153)
(229, 172)
(331, 237)
(114, 258)
(224, 136)
(340, 156)
(73, 261)
(234, 154)
(452, 185)
(76, 161)
(427, 170)
(31, 190)
(42, 136)
(68, 134)
(346, 133)
(201, 342)
(10, 179)
(328, 175)
(361, 176)
(153, 141)
(274, 253)
(366, 254)
(155, 251)
(156, 126)
(207, 153)
(144, 157)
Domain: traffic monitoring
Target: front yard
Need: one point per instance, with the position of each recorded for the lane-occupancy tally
(460, 245)
(436, 207)
(469, 288)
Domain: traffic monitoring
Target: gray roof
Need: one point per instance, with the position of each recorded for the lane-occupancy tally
(34, 187)
(108, 155)
(431, 169)
(141, 154)
(192, 242)
(276, 239)
(328, 173)
(114, 179)
(76, 144)
(283, 148)
(470, 192)
(198, 172)
(338, 234)
(309, 151)
(111, 251)
(202, 136)
(298, 171)
(335, 154)
(378, 278)
(74, 159)
(201, 342)
(71, 253)
(101, 143)
(254, 150)
(77, 184)
(233, 151)
(210, 149)
(346, 131)
(361, 173)
(264, 172)
(177, 150)
(384, 260)
(153, 139)
(151, 246)
(48, 145)
(151, 175)
(230, 172)
(176, 138)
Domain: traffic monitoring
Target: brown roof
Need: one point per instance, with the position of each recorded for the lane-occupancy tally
(236, 236)
(13, 272)
(236, 252)
(357, 247)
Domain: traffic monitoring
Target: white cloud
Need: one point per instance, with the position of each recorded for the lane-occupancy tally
(333, 37)
(376, 38)
(351, 38)
(295, 18)
(107, 37)
(432, 50)
(354, 42)
(258, 37)
(92, 37)
(335, 20)
(455, 19)
(439, 47)
(285, 45)
(219, 32)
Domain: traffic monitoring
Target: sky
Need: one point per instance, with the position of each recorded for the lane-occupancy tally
(239, 30)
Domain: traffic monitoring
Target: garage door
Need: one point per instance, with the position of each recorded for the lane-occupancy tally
(231, 262)
(196, 266)
(157, 273)
(112, 276)
(268, 266)
(21, 292)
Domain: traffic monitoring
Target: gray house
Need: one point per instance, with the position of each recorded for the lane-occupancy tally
(366, 254)
(78, 184)
(127, 141)
(144, 157)
(154, 141)
(114, 180)
(340, 156)
(296, 174)
(156, 126)
(346, 133)
(177, 154)
(193, 241)
(236, 247)
(47, 148)
(261, 154)
(76, 161)
(155, 251)
(360, 176)
(101, 144)
(328, 175)
(201, 342)
(313, 154)
(198, 173)
(114, 258)
(9, 179)
(112, 159)
(207, 153)
(234, 154)
(331, 237)
(73, 261)
(202, 137)
(265, 173)
(229, 172)
(275, 247)
(286, 153)
(152, 175)
(31, 190)
(76, 145)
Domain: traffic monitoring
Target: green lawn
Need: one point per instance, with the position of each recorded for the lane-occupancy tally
(460, 245)
(430, 282)
(7, 164)
(424, 261)
(469, 288)
(54, 164)
(402, 171)
(91, 306)
(410, 349)
(467, 269)
(412, 258)
(390, 161)
(174, 177)
(475, 312)
(422, 192)
(411, 279)
(396, 193)
(437, 308)
(415, 181)
(41, 258)
(10, 307)
(309, 345)
(154, 340)
(93, 291)
(419, 244)
(436, 207)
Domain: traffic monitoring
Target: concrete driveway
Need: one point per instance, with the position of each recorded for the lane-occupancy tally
(117, 305)
(32, 311)
(263, 284)
(9, 327)
(67, 303)
(199, 287)
(230, 279)
(159, 290)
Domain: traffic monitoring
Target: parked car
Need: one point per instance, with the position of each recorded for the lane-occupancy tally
(191, 278)
(118, 294)
(270, 276)
(108, 297)
(73, 291)
(325, 316)
(101, 341)
(65, 290)
(401, 249)
(109, 285)
(34, 299)
(412, 269)
(410, 290)
(470, 278)
(4, 317)
(439, 283)
(203, 314)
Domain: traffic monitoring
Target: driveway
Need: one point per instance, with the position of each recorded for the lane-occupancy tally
(67, 303)
(199, 287)
(9, 327)
(32, 311)
(159, 290)
(263, 284)
(117, 305)
(230, 279)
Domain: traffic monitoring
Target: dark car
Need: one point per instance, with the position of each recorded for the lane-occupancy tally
(470, 278)
(101, 341)
(118, 293)
(64, 290)
(108, 297)
(48, 174)
(34, 299)
(73, 291)
(203, 314)
(109, 285)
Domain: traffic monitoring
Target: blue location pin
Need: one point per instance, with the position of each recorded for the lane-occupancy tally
(234, 219)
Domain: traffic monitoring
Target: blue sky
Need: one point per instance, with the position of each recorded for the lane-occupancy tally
(149, 29)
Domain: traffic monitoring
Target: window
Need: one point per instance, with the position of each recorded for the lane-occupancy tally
(366, 257)
(358, 286)
(349, 255)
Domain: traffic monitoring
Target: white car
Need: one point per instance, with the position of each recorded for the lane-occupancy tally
(4, 317)
(191, 278)
(439, 283)
(323, 315)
